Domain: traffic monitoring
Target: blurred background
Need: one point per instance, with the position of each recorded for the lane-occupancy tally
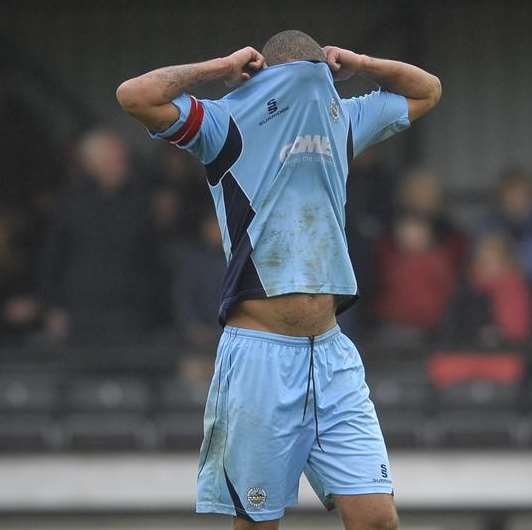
(111, 263)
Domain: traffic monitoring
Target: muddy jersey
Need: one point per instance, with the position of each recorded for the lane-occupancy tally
(277, 151)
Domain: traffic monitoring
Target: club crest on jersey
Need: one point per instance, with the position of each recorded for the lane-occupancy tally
(334, 110)
(308, 143)
(257, 497)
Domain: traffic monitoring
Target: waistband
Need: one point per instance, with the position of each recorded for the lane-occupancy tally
(330, 334)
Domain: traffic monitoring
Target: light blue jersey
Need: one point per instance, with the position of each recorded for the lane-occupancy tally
(277, 152)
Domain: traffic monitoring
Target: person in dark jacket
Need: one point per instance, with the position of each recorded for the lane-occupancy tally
(100, 271)
(200, 269)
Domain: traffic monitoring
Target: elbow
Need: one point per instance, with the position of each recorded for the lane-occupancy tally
(129, 95)
(432, 95)
(436, 91)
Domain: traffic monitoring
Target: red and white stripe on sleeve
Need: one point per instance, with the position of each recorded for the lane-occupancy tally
(192, 125)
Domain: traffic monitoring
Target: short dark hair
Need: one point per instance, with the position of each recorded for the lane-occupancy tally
(291, 45)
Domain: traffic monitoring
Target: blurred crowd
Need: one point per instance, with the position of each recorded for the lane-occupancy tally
(99, 249)
(430, 281)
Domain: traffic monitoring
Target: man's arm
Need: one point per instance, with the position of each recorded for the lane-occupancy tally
(148, 97)
(421, 89)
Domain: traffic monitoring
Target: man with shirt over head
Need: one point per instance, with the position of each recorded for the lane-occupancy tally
(288, 394)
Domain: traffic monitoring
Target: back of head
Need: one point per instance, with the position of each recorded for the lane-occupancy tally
(420, 191)
(493, 254)
(291, 45)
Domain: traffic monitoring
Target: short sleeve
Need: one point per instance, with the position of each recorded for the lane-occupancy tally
(375, 117)
(201, 128)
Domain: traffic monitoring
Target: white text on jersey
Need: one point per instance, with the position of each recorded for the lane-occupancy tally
(307, 144)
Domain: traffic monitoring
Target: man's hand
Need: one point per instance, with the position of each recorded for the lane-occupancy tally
(148, 97)
(344, 63)
(421, 89)
(242, 64)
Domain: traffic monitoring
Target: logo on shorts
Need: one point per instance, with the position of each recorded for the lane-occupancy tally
(334, 110)
(257, 497)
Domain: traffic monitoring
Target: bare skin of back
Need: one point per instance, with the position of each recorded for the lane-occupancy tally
(299, 315)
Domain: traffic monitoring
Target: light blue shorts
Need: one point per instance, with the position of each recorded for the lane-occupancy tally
(279, 406)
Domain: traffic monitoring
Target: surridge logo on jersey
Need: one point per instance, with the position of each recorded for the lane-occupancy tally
(308, 143)
(272, 106)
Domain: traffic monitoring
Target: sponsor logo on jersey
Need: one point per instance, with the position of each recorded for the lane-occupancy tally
(272, 107)
(308, 143)
(257, 497)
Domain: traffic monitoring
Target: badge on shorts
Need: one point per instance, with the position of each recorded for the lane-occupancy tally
(334, 110)
(257, 497)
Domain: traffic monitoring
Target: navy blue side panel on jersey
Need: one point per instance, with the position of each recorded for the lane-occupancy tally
(231, 150)
(241, 279)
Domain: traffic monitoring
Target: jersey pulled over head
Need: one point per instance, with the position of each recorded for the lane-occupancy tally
(277, 152)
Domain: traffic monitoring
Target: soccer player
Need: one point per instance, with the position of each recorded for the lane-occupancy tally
(288, 394)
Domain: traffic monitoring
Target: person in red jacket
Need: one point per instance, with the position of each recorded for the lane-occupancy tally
(416, 276)
(420, 191)
(496, 275)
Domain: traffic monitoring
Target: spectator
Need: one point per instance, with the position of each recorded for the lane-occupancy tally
(513, 214)
(198, 297)
(415, 281)
(100, 272)
(420, 192)
(494, 306)
(26, 180)
(184, 177)
(19, 309)
(370, 191)
(27, 184)
(166, 208)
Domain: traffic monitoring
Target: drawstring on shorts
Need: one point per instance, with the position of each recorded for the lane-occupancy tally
(310, 379)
